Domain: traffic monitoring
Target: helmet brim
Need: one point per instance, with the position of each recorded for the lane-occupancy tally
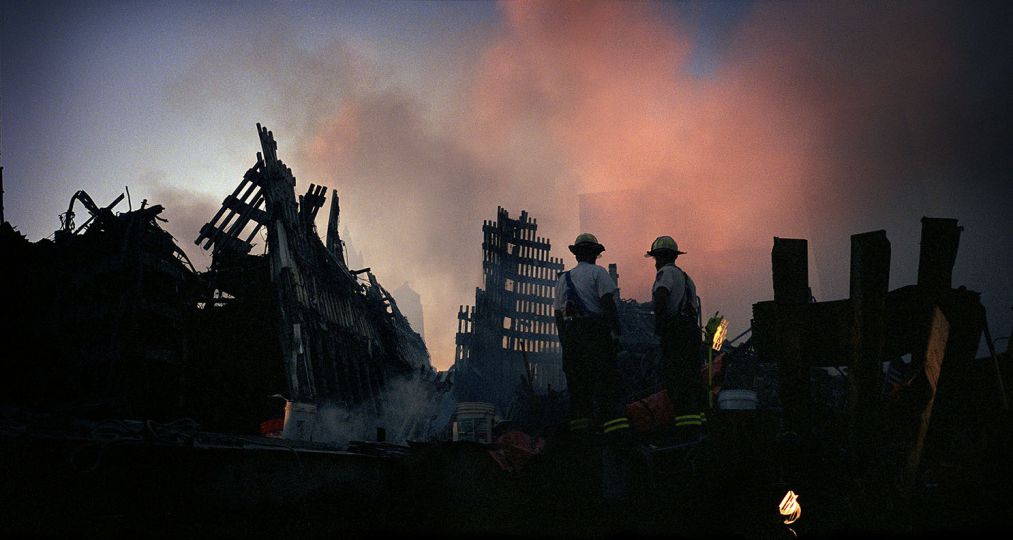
(654, 252)
(586, 246)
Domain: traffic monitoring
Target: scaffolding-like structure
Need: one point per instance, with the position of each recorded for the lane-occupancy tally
(510, 332)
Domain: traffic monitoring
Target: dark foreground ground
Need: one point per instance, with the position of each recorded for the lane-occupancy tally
(146, 480)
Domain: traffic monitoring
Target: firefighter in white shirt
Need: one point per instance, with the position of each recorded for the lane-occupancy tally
(676, 309)
(588, 323)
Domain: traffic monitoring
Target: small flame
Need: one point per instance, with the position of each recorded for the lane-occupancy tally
(719, 334)
(790, 508)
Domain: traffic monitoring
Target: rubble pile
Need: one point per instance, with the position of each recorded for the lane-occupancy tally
(286, 392)
(104, 308)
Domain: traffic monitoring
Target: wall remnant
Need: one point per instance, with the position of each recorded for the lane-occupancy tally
(510, 332)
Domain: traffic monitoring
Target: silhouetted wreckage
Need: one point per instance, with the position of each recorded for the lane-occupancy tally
(147, 388)
(123, 325)
(342, 340)
(916, 397)
(105, 307)
(508, 338)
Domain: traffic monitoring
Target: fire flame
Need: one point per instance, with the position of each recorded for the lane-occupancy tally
(790, 508)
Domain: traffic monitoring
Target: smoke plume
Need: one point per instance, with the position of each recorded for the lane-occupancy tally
(818, 121)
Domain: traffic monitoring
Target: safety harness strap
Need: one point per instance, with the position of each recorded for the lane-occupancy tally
(571, 295)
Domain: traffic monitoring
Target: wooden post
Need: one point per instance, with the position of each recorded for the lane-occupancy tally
(940, 239)
(789, 261)
(614, 274)
(870, 276)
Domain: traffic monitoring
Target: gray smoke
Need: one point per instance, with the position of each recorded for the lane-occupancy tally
(409, 412)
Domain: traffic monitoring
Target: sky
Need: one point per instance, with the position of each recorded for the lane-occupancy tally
(720, 123)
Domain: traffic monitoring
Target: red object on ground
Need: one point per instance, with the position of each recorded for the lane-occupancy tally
(515, 448)
(272, 427)
(652, 412)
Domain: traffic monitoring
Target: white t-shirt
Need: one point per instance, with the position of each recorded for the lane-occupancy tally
(591, 282)
(671, 278)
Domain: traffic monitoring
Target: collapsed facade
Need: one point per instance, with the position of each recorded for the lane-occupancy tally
(342, 340)
(124, 325)
(509, 335)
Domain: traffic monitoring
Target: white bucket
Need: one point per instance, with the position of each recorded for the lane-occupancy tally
(474, 422)
(737, 400)
(300, 421)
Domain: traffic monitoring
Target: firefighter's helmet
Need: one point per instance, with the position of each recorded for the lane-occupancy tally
(586, 241)
(664, 244)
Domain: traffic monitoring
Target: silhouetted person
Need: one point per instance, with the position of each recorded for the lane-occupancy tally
(676, 317)
(588, 323)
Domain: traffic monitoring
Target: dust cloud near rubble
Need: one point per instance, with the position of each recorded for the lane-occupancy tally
(407, 403)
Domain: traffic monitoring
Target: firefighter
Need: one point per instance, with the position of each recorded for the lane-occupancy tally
(588, 322)
(676, 318)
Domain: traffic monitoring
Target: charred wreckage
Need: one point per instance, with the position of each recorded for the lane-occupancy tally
(287, 391)
(124, 324)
